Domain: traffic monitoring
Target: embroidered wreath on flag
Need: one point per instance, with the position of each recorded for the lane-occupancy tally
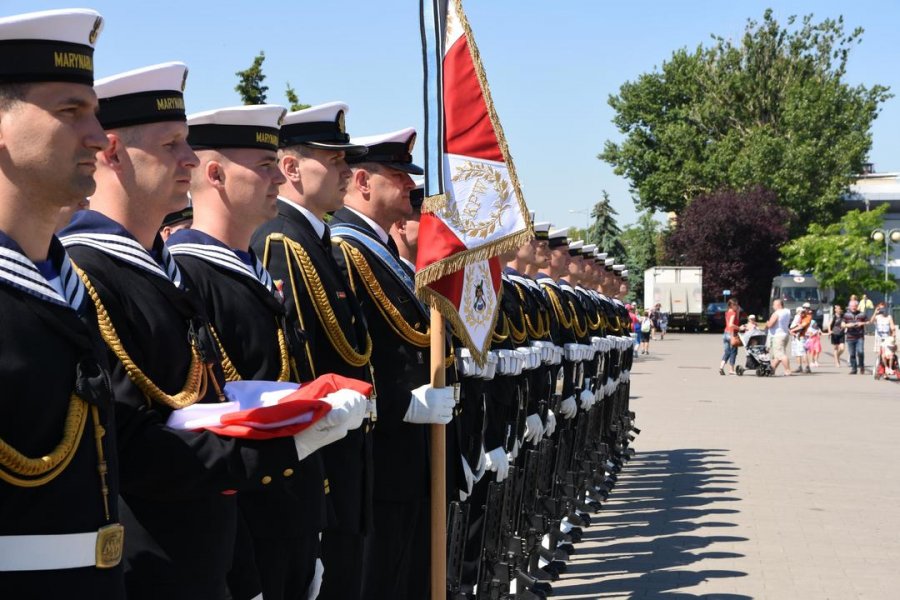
(484, 176)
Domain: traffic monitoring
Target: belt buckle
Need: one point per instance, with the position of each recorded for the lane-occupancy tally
(110, 541)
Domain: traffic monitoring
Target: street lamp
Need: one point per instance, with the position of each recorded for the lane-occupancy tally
(587, 217)
(888, 237)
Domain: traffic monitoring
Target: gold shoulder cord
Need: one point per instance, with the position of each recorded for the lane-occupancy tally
(309, 358)
(390, 313)
(580, 331)
(558, 307)
(21, 471)
(323, 309)
(594, 325)
(197, 377)
(501, 337)
(231, 372)
(518, 336)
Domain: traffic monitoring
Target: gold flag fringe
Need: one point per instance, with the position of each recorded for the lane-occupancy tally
(460, 260)
(435, 204)
(451, 314)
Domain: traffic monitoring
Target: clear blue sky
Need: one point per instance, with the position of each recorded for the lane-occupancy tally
(551, 66)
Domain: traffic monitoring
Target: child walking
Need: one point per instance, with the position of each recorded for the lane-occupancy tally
(814, 342)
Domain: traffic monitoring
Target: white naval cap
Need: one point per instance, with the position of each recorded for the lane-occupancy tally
(542, 230)
(392, 149)
(321, 126)
(146, 95)
(50, 45)
(558, 237)
(601, 256)
(624, 273)
(254, 126)
(588, 249)
(575, 247)
(619, 268)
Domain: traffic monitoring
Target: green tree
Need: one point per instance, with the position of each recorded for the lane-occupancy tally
(292, 98)
(770, 109)
(250, 82)
(841, 255)
(640, 242)
(604, 230)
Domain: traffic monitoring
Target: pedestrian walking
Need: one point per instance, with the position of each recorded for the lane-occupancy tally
(799, 326)
(813, 343)
(645, 332)
(779, 330)
(663, 324)
(732, 325)
(854, 324)
(836, 331)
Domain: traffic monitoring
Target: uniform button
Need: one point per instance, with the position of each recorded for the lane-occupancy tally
(266, 480)
(418, 325)
(288, 472)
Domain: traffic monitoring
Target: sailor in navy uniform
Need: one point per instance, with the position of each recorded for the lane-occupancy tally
(295, 247)
(177, 486)
(59, 531)
(396, 556)
(235, 192)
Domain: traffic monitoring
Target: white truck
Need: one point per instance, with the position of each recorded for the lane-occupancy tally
(679, 292)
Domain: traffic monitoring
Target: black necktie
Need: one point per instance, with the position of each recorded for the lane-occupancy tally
(326, 238)
(392, 245)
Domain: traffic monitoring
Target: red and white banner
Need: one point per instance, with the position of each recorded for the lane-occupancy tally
(474, 209)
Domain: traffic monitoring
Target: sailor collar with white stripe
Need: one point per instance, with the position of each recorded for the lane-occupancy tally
(19, 272)
(546, 279)
(191, 242)
(378, 229)
(563, 284)
(95, 230)
(318, 224)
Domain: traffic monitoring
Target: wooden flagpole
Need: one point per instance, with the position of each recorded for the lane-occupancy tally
(438, 468)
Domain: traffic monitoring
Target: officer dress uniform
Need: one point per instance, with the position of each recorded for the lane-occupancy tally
(319, 302)
(58, 468)
(245, 307)
(178, 505)
(397, 551)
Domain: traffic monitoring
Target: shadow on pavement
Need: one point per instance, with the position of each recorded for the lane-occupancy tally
(668, 509)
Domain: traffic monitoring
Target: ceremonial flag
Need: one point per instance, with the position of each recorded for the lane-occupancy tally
(474, 209)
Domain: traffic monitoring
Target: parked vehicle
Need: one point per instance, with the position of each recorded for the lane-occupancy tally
(679, 292)
(715, 316)
(795, 289)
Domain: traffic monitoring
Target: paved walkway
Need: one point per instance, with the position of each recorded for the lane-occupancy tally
(747, 487)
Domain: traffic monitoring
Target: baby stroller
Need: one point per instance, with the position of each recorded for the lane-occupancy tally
(757, 354)
(886, 365)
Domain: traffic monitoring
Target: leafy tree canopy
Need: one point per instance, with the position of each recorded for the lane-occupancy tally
(734, 236)
(770, 109)
(843, 255)
(640, 242)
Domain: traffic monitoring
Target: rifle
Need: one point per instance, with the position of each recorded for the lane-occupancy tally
(457, 528)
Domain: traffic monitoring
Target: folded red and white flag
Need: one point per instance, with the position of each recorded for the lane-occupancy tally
(261, 410)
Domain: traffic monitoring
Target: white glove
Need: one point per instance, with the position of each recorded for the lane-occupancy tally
(316, 436)
(587, 398)
(348, 408)
(316, 584)
(430, 405)
(534, 429)
(568, 408)
(514, 454)
(470, 479)
(551, 424)
(497, 461)
(598, 394)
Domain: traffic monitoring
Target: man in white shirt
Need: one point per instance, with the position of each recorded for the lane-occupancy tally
(779, 325)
